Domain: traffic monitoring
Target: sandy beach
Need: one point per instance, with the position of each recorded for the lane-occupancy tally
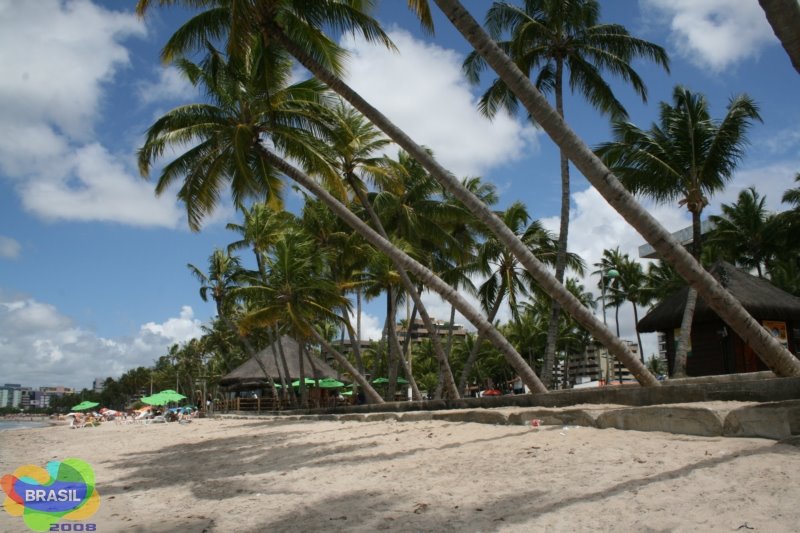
(274, 474)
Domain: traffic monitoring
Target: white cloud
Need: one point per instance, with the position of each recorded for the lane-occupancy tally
(371, 326)
(94, 186)
(407, 85)
(770, 180)
(782, 143)
(9, 248)
(63, 52)
(171, 85)
(40, 346)
(715, 33)
(179, 329)
(51, 95)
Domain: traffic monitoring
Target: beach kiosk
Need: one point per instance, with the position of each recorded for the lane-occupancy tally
(715, 348)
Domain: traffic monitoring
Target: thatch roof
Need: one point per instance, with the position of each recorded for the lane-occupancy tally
(759, 297)
(250, 372)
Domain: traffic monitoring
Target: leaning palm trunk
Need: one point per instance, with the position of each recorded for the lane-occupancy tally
(776, 357)
(784, 17)
(428, 278)
(682, 350)
(539, 272)
(408, 285)
(372, 396)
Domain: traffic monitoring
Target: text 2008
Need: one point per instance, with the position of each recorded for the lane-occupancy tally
(73, 527)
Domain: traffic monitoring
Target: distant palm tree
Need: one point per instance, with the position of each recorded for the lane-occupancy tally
(260, 229)
(506, 279)
(299, 295)
(632, 281)
(746, 233)
(662, 281)
(548, 39)
(687, 157)
(352, 146)
(224, 273)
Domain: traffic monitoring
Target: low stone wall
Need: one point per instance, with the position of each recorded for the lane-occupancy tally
(725, 388)
(772, 420)
(736, 407)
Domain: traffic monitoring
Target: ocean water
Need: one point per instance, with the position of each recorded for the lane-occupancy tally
(21, 424)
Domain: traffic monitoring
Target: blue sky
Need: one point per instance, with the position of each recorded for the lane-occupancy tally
(93, 276)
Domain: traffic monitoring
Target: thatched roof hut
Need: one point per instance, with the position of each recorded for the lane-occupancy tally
(250, 374)
(715, 350)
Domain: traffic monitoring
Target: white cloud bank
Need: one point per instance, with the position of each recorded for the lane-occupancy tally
(714, 33)
(421, 89)
(51, 93)
(47, 348)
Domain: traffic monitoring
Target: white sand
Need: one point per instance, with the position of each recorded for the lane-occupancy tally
(278, 475)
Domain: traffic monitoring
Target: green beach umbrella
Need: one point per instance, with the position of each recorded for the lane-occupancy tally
(309, 381)
(86, 404)
(156, 399)
(383, 381)
(172, 395)
(330, 383)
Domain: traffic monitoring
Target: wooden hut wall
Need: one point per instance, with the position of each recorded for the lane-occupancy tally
(707, 348)
(716, 349)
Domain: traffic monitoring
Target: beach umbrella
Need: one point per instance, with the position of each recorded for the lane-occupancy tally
(156, 399)
(330, 383)
(309, 381)
(384, 381)
(172, 395)
(86, 404)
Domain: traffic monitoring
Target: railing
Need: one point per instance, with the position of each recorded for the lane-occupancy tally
(274, 404)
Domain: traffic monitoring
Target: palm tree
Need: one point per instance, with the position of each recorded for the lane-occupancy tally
(346, 255)
(223, 275)
(611, 295)
(662, 281)
(302, 44)
(296, 293)
(746, 234)
(632, 282)
(548, 38)
(686, 158)
(506, 280)
(259, 230)
(352, 142)
(242, 110)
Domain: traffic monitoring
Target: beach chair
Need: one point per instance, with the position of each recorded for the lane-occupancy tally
(76, 423)
(156, 419)
(143, 417)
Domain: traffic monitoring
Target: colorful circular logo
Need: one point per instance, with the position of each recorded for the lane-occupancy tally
(44, 496)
